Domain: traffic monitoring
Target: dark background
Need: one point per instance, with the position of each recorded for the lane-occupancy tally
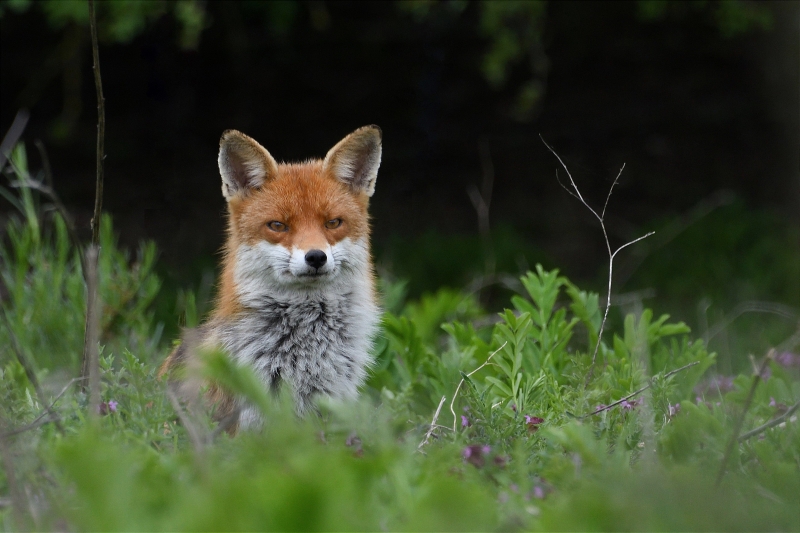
(700, 101)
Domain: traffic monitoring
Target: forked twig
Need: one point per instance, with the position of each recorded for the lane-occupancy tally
(433, 424)
(601, 218)
(638, 392)
(455, 394)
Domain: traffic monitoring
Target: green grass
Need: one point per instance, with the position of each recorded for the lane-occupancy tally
(520, 449)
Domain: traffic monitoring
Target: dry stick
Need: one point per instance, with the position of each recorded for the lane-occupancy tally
(433, 424)
(601, 219)
(101, 127)
(739, 421)
(195, 434)
(771, 424)
(12, 135)
(455, 394)
(92, 328)
(41, 420)
(649, 384)
(98, 193)
(29, 371)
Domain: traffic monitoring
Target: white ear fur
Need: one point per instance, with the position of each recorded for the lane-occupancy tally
(243, 164)
(356, 158)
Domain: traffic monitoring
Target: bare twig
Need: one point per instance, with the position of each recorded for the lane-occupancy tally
(12, 135)
(753, 306)
(739, 421)
(455, 394)
(195, 433)
(101, 127)
(638, 392)
(29, 370)
(91, 340)
(771, 424)
(89, 336)
(611, 255)
(433, 424)
(45, 417)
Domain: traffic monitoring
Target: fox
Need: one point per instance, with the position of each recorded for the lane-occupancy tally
(296, 300)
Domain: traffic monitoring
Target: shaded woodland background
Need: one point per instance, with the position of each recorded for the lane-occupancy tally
(699, 100)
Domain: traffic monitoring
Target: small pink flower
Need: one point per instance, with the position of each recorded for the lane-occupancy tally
(465, 423)
(533, 422)
(474, 454)
(674, 409)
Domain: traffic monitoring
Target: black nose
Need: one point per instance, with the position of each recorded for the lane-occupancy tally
(316, 258)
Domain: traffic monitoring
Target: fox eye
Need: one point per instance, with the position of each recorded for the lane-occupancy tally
(333, 224)
(277, 226)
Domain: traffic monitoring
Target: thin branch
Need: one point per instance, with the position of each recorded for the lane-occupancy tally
(739, 421)
(101, 127)
(638, 392)
(42, 419)
(610, 190)
(600, 218)
(754, 306)
(455, 394)
(433, 424)
(771, 424)
(195, 434)
(29, 370)
(91, 333)
(12, 135)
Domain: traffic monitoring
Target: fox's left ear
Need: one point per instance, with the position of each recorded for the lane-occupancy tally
(356, 158)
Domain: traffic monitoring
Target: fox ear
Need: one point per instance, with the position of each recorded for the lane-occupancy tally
(356, 158)
(243, 164)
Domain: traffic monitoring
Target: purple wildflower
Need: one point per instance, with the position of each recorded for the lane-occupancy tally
(533, 422)
(629, 405)
(601, 407)
(106, 408)
(538, 492)
(674, 409)
(788, 359)
(474, 454)
(465, 423)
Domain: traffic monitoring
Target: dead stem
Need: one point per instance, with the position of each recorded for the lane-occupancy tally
(611, 255)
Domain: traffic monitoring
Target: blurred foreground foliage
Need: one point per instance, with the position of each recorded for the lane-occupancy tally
(519, 441)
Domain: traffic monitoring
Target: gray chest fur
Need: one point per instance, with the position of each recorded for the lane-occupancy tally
(316, 345)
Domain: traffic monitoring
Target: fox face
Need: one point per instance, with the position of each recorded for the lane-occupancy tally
(301, 226)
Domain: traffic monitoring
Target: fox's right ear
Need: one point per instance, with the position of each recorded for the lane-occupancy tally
(243, 164)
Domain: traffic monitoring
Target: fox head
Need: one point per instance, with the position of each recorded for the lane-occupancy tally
(300, 226)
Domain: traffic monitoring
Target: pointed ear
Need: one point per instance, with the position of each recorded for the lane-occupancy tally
(243, 164)
(356, 158)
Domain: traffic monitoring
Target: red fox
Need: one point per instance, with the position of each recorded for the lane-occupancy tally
(296, 299)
